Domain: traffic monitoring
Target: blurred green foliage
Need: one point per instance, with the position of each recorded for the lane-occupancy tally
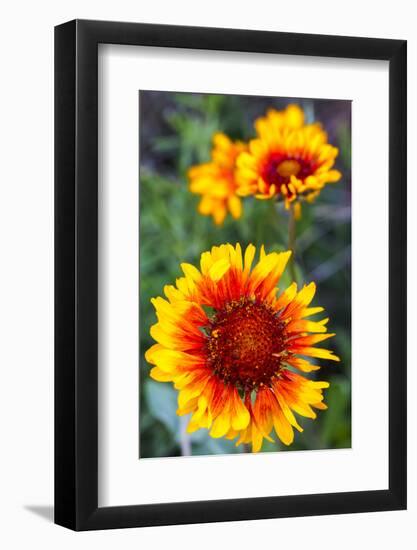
(175, 132)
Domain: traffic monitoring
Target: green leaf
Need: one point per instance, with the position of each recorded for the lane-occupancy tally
(162, 403)
(336, 419)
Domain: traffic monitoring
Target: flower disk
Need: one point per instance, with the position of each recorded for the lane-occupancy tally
(244, 342)
(235, 347)
(215, 180)
(288, 160)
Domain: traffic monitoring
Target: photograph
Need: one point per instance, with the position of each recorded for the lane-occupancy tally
(244, 275)
(208, 275)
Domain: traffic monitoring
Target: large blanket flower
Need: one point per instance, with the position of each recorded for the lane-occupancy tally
(237, 349)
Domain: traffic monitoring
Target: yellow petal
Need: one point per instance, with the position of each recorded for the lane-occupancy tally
(191, 272)
(301, 325)
(219, 214)
(235, 206)
(192, 427)
(319, 405)
(221, 425)
(149, 354)
(249, 255)
(309, 311)
(187, 408)
(189, 393)
(162, 337)
(231, 434)
(168, 359)
(333, 176)
(218, 269)
(320, 353)
(238, 258)
(221, 140)
(302, 364)
(311, 339)
(240, 414)
(286, 297)
(294, 116)
(257, 439)
(173, 294)
(157, 374)
(288, 413)
(283, 427)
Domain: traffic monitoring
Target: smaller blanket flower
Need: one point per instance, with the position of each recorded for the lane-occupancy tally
(215, 180)
(288, 160)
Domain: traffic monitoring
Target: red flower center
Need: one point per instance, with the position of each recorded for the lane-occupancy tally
(244, 344)
(279, 168)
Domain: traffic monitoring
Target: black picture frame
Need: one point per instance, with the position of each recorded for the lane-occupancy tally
(76, 272)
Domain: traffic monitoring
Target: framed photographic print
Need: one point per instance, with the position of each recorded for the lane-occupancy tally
(230, 275)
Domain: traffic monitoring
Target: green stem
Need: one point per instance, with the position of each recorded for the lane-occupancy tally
(291, 240)
(185, 440)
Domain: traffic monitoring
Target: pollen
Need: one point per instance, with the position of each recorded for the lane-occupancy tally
(288, 168)
(246, 344)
